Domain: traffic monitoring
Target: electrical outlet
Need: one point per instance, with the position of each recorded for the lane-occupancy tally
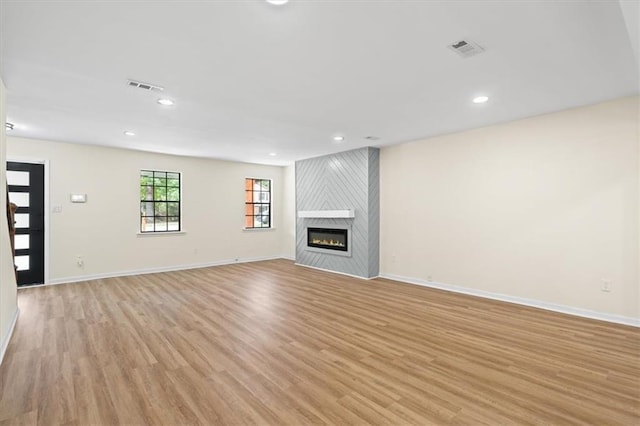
(80, 261)
(605, 285)
(429, 278)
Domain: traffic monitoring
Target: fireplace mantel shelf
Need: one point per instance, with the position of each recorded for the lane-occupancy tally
(329, 214)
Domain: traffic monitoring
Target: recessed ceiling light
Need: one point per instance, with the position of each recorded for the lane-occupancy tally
(8, 126)
(338, 138)
(277, 2)
(129, 133)
(272, 154)
(165, 102)
(480, 99)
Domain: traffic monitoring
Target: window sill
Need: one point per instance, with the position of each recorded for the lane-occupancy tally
(258, 229)
(159, 234)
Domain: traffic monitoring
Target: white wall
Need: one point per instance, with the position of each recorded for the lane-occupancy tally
(8, 303)
(540, 209)
(105, 229)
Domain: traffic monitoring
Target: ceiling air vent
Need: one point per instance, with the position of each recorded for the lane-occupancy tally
(466, 48)
(144, 86)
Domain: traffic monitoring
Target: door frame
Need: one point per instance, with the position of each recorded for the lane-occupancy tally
(46, 210)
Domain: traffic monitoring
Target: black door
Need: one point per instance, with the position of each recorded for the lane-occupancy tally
(26, 190)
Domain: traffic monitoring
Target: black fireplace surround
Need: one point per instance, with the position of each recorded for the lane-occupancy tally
(328, 238)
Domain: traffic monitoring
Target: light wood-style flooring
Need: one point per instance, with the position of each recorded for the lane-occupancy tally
(271, 343)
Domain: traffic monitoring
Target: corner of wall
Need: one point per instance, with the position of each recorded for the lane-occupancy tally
(8, 288)
(288, 212)
(374, 211)
(638, 206)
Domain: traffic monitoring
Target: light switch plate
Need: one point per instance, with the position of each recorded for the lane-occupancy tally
(78, 198)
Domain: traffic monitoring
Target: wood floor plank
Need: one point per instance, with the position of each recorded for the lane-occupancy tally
(93, 403)
(274, 343)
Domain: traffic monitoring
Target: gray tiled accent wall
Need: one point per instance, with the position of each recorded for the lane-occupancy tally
(347, 180)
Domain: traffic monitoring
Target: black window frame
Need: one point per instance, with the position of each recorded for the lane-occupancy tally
(251, 203)
(157, 200)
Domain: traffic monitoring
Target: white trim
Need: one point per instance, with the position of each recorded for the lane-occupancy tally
(585, 313)
(25, 160)
(258, 229)
(47, 222)
(81, 278)
(4, 343)
(336, 272)
(330, 214)
(159, 233)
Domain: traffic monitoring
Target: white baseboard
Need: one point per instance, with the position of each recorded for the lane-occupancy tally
(336, 272)
(619, 319)
(4, 343)
(80, 278)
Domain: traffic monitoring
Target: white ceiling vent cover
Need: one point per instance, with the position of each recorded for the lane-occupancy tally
(144, 86)
(466, 48)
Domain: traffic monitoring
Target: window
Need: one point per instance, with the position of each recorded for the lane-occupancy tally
(159, 201)
(257, 203)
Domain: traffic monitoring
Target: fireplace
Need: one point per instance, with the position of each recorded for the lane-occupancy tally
(328, 239)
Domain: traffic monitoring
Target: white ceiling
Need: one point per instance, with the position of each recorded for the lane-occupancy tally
(250, 78)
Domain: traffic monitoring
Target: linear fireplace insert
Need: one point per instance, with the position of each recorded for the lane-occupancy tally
(328, 238)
